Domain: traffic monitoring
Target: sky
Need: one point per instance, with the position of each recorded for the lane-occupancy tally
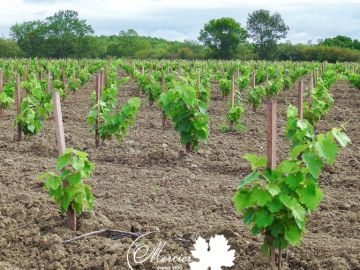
(183, 19)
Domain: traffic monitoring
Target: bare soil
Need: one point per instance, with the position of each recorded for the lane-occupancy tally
(148, 183)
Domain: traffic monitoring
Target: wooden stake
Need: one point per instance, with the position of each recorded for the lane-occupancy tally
(1, 80)
(60, 138)
(97, 139)
(253, 79)
(49, 82)
(63, 79)
(253, 84)
(103, 83)
(105, 75)
(26, 73)
(232, 93)
(163, 84)
(271, 134)
(232, 96)
(310, 88)
(150, 73)
(300, 99)
(198, 79)
(18, 105)
(101, 80)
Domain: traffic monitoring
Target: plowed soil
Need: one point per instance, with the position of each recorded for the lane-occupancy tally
(148, 183)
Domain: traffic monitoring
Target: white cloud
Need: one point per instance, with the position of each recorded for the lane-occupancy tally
(178, 20)
(168, 34)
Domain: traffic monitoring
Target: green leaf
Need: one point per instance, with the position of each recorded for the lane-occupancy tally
(341, 137)
(293, 180)
(263, 218)
(310, 196)
(287, 200)
(299, 214)
(45, 176)
(63, 161)
(274, 205)
(56, 194)
(297, 150)
(277, 228)
(249, 216)
(31, 128)
(80, 154)
(326, 147)
(297, 210)
(303, 124)
(288, 166)
(293, 234)
(255, 230)
(273, 189)
(88, 197)
(292, 111)
(53, 182)
(249, 178)
(259, 196)
(69, 150)
(74, 179)
(241, 199)
(77, 163)
(256, 161)
(313, 163)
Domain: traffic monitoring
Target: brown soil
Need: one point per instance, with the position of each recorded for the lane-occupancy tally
(148, 183)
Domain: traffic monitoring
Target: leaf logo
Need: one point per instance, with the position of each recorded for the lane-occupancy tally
(214, 254)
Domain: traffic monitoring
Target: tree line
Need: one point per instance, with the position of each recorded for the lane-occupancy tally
(65, 35)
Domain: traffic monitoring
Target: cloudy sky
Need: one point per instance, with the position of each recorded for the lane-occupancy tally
(183, 19)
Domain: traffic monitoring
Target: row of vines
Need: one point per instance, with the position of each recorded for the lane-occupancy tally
(275, 199)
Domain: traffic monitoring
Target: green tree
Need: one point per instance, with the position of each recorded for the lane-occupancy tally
(9, 48)
(265, 30)
(91, 46)
(30, 36)
(59, 36)
(185, 53)
(199, 51)
(223, 36)
(356, 44)
(342, 41)
(66, 32)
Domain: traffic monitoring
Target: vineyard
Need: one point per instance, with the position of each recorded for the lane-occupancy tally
(265, 153)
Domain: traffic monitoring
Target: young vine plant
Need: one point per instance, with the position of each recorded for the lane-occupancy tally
(113, 122)
(276, 202)
(67, 186)
(188, 113)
